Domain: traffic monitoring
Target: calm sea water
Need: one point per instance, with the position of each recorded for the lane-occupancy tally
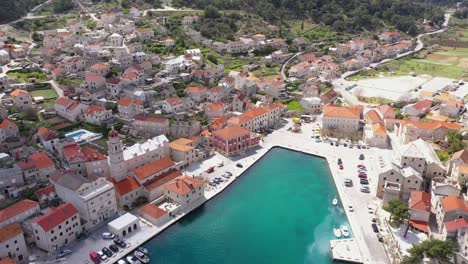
(279, 211)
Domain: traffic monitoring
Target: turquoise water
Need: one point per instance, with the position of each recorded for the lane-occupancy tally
(279, 211)
(76, 134)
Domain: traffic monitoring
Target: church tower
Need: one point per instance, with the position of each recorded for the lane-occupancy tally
(118, 170)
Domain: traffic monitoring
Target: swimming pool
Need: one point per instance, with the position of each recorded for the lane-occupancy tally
(76, 134)
(83, 136)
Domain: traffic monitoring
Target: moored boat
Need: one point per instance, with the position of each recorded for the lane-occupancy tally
(142, 257)
(344, 231)
(335, 201)
(143, 250)
(337, 232)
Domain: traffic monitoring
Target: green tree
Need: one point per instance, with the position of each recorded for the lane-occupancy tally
(436, 249)
(398, 210)
(455, 140)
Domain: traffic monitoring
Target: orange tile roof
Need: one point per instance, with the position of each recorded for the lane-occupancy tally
(420, 201)
(10, 231)
(462, 154)
(231, 132)
(456, 224)
(92, 154)
(379, 129)
(56, 216)
(154, 167)
(215, 107)
(99, 66)
(184, 185)
(92, 109)
(239, 120)
(342, 112)
(125, 186)
(17, 209)
(174, 101)
(161, 179)
(463, 169)
(195, 89)
(256, 112)
(181, 144)
(18, 92)
(373, 116)
(46, 133)
(38, 160)
(124, 101)
(152, 211)
(6, 123)
(44, 191)
(7, 260)
(423, 226)
(452, 202)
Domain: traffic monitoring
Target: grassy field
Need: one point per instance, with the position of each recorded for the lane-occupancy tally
(47, 94)
(445, 62)
(25, 76)
(295, 106)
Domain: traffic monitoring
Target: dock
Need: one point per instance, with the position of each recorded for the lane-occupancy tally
(346, 250)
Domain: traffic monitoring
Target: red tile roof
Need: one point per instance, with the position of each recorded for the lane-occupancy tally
(46, 134)
(73, 152)
(63, 101)
(423, 226)
(44, 191)
(154, 167)
(153, 119)
(129, 75)
(93, 77)
(341, 112)
(18, 92)
(195, 89)
(16, 209)
(125, 186)
(184, 185)
(99, 66)
(6, 123)
(152, 211)
(162, 179)
(256, 112)
(456, 224)
(420, 201)
(10, 231)
(38, 160)
(92, 154)
(124, 101)
(452, 202)
(174, 101)
(231, 132)
(92, 109)
(462, 154)
(56, 216)
(113, 80)
(7, 260)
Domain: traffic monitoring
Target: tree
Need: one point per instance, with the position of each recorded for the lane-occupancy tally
(398, 211)
(436, 249)
(212, 12)
(36, 37)
(455, 140)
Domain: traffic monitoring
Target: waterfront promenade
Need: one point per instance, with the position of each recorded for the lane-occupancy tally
(359, 219)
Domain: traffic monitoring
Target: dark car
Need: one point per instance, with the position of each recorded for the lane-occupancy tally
(239, 165)
(364, 181)
(119, 242)
(380, 237)
(361, 157)
(339, 161)
(375, 228)
(107, 251)
(331, 143)
(114, 248)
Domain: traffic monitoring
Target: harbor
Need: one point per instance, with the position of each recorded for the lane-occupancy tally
(346, 250)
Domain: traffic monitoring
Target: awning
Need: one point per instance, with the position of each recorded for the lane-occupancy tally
(420, 225)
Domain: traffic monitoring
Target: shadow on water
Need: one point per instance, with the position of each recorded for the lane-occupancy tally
(192, 216)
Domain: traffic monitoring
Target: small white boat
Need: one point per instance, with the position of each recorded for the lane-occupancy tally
(337, 232)
(344, 231)
(335, 201)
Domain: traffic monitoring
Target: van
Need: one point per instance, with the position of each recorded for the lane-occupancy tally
(95, 257)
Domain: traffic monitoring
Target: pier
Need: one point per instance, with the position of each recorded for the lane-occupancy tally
(346, 250)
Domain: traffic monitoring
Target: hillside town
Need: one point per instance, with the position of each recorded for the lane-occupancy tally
(99, 137)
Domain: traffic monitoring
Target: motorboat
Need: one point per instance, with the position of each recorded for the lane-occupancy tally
(335, 201)
(337, 232)
(141, 256)
(344, 231)
(143, 250)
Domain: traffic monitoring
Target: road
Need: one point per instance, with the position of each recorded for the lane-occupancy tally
(93, 16)
(341, 83)
(57, 88)
(283, 67)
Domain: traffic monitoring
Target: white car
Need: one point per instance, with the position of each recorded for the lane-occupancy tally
(121, 261)
(107, 235)
(102, 255)
(350, 208)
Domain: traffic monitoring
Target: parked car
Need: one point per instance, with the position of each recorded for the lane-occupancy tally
(361, 166)
(64, 253)
(348, 182)
(102, 256)
(239, 165)
(350, 208)
(361, 157)
(114, 248)
(95, 257)
(121, 261)
(107, 251)
(379, 237)
(375, 228)
(374, 220)
(107, 235)
(339, 161)
(364, 181)
(341, 166)
(331, 143)
(119, 242)
(362, 175)
(365, 189)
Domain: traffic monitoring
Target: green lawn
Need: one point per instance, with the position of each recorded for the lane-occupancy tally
(295, 106)
(47, 94)
(25, 76)
(68, 81)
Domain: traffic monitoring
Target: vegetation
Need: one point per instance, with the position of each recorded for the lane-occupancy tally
(295, 106)
(25, 76)
(348, 16)
(398, 210)
(455, 140)
(436, 249)
(14, 9)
